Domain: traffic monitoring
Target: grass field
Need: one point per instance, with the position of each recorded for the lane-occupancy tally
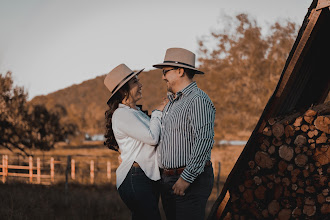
(82, 200)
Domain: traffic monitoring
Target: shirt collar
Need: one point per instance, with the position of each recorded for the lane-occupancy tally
(121, 105)
(189, 88)
(185, 91)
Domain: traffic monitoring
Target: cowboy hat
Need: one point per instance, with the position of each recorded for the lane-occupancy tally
(179, 57)
(117, 77)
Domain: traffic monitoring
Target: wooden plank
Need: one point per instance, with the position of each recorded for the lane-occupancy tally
(297, 53)
(19, 174)
(92, 171)
(52, 173)
(30, 168)
(73, 169)
(27, 175)
(38, 170)
(109, 170)
(322, 4)
(16, 167)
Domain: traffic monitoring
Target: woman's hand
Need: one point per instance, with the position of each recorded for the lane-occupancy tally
(161, 106)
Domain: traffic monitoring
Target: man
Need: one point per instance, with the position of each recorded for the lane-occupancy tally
(184, 150)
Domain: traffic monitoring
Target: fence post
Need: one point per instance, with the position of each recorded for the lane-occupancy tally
(218, 179)
(73, 169)
(52, 169)
(3, 168)
(6, 169)
(67, 172)
(30, 168)
(92, 171)
(38, 170)
(3, 165)
(109, 170)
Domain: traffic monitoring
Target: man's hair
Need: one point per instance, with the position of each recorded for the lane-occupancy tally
(190, 73)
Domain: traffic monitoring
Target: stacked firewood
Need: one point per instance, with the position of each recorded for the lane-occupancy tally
(288, 178)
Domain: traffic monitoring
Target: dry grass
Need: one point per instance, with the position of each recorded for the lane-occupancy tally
(26, 201)
(85, 201)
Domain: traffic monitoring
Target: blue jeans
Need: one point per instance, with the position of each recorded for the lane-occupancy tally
(192, 204)
(140, 194)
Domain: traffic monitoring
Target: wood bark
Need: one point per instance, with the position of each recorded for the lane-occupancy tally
(288, 175)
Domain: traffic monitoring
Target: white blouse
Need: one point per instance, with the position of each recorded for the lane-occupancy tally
(137, 136)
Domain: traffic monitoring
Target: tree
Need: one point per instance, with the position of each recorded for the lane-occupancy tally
(46, 128)
(23, 126)
(13, 113)
(242, 69)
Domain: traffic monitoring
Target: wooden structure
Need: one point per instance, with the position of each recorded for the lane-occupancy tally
(304, 82)
(5, 166)
(34, 172)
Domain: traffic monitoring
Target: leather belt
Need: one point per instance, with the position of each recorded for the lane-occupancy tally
(178, 171)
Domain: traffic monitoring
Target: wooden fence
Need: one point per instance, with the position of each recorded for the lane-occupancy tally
(35, 177)
(34, 172)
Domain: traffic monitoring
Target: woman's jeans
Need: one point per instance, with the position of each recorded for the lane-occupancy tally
(140, 194)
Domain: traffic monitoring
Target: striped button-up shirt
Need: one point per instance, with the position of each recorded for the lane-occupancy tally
(187, 132)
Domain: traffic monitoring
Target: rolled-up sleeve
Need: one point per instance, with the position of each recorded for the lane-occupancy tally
(202, 123)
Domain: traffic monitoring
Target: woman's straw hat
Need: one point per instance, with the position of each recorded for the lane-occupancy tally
(118, 77)
(179, 57)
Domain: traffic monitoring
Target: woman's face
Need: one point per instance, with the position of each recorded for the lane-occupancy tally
(135, 92)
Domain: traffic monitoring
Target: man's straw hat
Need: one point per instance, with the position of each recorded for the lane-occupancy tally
(179, 57)
(118, 77)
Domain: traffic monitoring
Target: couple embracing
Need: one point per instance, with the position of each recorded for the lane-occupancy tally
(169, 153)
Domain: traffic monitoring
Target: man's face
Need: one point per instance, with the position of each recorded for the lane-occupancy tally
(170, 76)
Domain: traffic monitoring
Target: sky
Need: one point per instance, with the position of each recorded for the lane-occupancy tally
(52, 44)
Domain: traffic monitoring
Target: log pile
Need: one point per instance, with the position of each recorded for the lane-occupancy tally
(288, 178)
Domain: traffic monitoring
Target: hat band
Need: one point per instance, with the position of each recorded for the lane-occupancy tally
(179, 63)
(122, 81)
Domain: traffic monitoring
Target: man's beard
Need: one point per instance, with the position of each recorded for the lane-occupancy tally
(169, 88)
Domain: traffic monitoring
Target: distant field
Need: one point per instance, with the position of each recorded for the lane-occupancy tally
(83, 200)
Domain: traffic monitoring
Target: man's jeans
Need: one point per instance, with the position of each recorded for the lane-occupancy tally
(141, 195)
(192, 204)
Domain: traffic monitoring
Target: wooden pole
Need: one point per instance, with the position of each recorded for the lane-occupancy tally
(31, 168)
(3, 165)
(52, 169)
(6, 168)
(67, 173)
(92, 171)
(38, 170)
(3, 169)
(109, 170)
(73, 169)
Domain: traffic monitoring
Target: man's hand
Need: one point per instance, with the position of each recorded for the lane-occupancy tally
(180, 186)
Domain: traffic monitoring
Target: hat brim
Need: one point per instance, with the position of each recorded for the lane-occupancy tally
(123, 83)
(162, 65)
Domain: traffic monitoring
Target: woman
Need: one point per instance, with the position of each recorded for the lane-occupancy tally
(136, 136)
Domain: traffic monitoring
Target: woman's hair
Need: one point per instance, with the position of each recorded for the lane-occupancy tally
(117, 98)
